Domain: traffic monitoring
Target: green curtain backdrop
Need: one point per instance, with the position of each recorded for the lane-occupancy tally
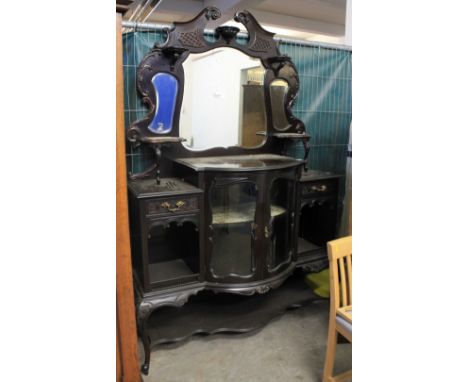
(323, 103)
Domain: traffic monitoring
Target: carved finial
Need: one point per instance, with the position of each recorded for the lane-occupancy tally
(212, 13)
(241, 17)
(227, 32)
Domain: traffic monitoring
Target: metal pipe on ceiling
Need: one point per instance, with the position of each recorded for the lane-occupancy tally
(158, 2)
(135, 10)
(142, 9)
(159, 26)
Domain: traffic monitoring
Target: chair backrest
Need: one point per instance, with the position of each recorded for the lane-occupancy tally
(341, 271)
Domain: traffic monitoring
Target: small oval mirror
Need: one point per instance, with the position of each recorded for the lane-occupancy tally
(166, 87)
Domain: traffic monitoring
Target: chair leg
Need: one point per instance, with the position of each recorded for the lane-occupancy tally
(331, 352)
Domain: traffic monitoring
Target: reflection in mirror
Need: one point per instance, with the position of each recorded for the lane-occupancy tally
(278, 91)
(165, 89)
(224, 102)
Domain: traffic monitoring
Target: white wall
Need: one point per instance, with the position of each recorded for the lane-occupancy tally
(348, 39)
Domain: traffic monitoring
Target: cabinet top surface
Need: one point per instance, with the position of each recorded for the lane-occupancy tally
(259, 162)
(168, 187)
(311, 175)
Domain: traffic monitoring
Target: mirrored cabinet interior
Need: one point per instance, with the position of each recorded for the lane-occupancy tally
(223, 220)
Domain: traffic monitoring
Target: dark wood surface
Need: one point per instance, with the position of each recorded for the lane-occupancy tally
(122, 6)
(258, 162)
(177, 281)
(168, 187)
(317, 218)
(311, 175)
(169, 276)
(208, 313)
(304, 246)
(172, 269)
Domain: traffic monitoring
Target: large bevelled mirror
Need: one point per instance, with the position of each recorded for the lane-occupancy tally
(223, 100)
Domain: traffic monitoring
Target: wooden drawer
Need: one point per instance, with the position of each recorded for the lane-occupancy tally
(171, 206)
(319, 188)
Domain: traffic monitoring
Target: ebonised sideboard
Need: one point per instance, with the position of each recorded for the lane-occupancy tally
(223, 220)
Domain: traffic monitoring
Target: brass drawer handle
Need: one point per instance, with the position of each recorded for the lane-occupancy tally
(321, 188)
(178, 206)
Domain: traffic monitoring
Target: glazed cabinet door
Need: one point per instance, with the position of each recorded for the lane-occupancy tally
(279, 229)
(232, 214)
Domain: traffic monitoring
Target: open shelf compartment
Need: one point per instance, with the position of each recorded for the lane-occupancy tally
(173, 253)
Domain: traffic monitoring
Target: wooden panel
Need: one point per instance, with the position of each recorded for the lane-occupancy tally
(119, 358)
(126, 324)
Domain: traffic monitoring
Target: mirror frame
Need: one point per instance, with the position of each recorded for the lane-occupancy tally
(185, 38)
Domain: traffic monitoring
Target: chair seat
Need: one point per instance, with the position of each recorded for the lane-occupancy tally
(346, 312)
(344, 324)
(344, 318)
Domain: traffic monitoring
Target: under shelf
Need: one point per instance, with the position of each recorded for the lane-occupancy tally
(169, 270)
(242, 213)
(209, 313)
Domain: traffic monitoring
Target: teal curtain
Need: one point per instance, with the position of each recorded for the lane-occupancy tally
(323, 103)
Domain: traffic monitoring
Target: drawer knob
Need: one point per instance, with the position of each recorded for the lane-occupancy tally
(319, 188)
(177, 207)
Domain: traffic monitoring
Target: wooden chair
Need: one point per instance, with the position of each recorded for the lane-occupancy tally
(341, 283)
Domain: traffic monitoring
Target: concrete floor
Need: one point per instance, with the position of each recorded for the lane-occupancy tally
(290, 348)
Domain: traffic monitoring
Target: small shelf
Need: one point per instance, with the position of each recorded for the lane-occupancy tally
(242, 214)
(285, 135)
(304, 246)
(169, 270)
(162, 140)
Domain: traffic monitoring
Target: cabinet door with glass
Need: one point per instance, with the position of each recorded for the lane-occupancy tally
(279, 229)
(233, 221)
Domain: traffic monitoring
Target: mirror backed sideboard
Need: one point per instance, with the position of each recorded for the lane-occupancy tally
(223, 220)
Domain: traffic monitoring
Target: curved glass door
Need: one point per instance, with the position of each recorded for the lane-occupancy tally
(233, 206)
(280, 225)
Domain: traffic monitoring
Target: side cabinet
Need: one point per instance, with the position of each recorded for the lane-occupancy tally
(317, 218)
(165, 221)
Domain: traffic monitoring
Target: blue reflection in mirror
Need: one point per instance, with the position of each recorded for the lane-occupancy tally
(165, 88)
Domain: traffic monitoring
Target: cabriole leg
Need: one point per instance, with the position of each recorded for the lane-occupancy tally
(146, 339)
